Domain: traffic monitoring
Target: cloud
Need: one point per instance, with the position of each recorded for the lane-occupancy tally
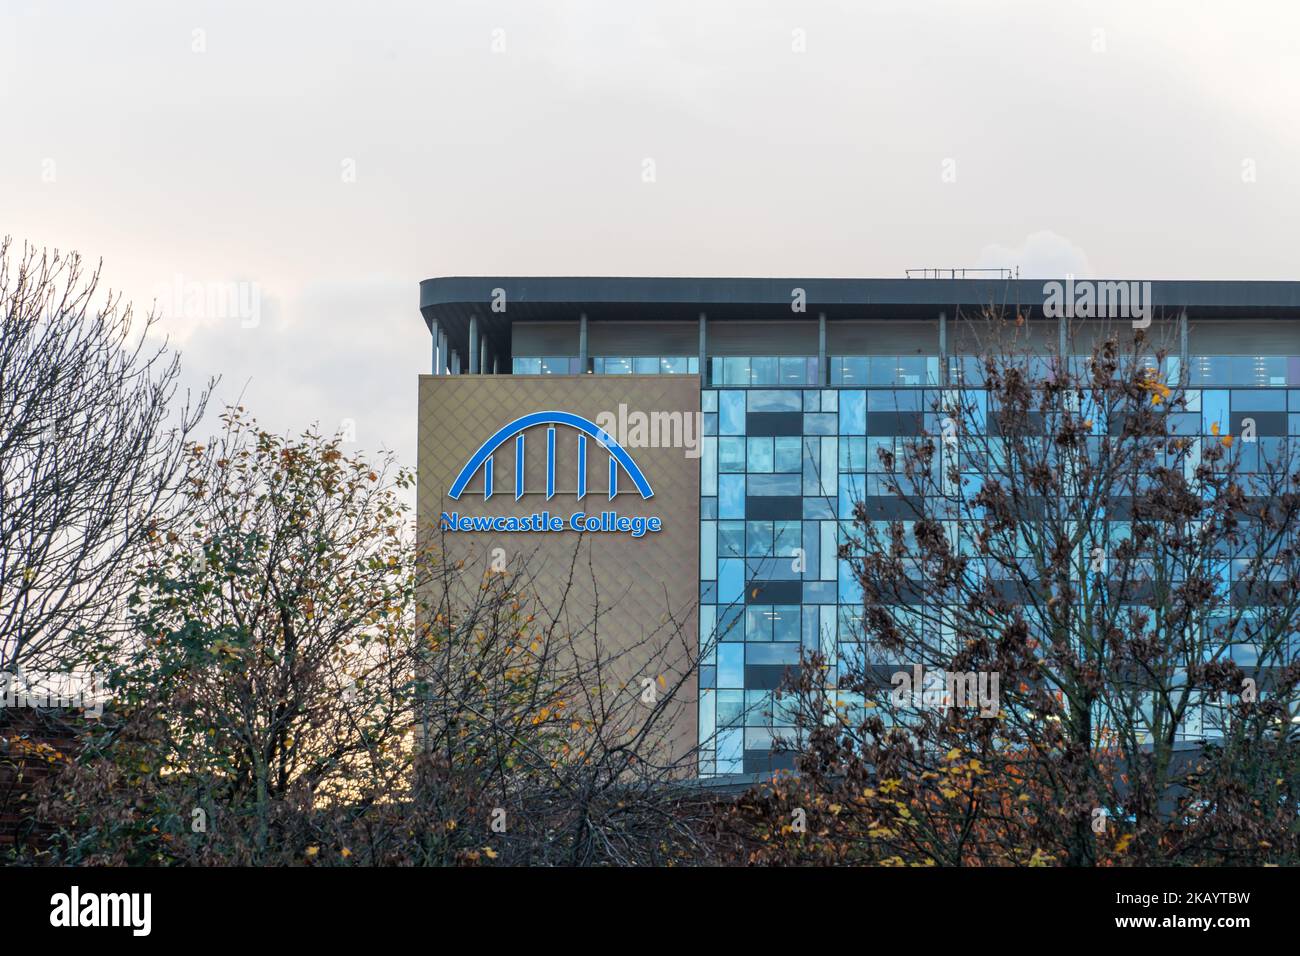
(343, 355)
(776, 158)
(1043, 255)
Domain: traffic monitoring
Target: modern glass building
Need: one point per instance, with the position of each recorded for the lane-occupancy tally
(799, 383)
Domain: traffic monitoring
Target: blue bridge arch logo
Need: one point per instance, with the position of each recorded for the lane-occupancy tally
(619, 459)
(621, 467)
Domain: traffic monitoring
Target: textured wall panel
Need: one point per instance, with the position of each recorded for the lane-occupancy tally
(622, 592)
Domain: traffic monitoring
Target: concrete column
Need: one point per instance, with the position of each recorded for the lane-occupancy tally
(704, 341)
(435, 336)
(482, 356)
(943, 348)
(444, 353)
(582, 343)
(821, 349)
(473, 345)
(455, 362)
(1184, 371)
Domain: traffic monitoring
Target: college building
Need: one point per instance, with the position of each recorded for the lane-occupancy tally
(683, 455)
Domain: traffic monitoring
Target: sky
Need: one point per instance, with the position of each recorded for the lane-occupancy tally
(275, 178)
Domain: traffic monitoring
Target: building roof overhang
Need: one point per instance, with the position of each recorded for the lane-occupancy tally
(499, 301)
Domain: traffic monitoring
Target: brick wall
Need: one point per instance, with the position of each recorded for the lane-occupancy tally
(32, 744)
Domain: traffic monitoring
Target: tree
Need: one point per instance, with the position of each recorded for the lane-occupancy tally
(92, 455)
(1078, 630)
(270, 667)
(538, 745)
(284, 702)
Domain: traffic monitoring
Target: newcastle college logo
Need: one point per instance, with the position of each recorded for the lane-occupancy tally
(620, 463)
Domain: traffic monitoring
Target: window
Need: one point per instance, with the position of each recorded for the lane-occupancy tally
(646, 365)
(546, 365)
(763, 371)
(766, 498)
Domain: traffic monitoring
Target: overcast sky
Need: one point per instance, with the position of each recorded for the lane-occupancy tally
(321, 158)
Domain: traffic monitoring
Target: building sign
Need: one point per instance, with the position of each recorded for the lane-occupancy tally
(608, 521)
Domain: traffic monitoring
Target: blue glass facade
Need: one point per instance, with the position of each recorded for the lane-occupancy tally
(784, 459)
(781, 471)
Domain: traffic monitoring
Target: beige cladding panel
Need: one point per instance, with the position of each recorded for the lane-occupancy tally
(1243, 337)
(643, 338)
(640, 585)
(969, 335)
(850, 337)
(798, 336)
(544, 338)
